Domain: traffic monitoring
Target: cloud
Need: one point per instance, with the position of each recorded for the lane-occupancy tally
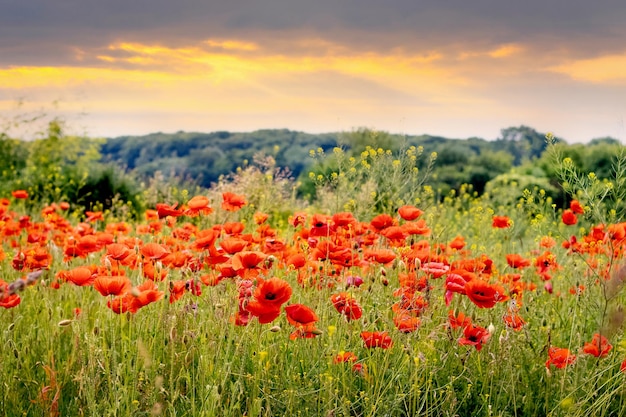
(607, 69)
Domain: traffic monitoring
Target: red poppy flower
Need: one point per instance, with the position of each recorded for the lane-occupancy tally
(382, 256)
(475, 336)
(406, 322)
(112, 285)
(154, 251)
(8, 300)
(20, 194)
(516, 261)
(232, 245)
(409, 213)
(483, 294)
(164, 210)
(304, 319)
(346, 305)
(233, 202)
(457, 243)
(320, 225)
(435, 269)
(576, 207)
(117, 251)
(248, 264)
(559, 357)
(80, 276)
(198, 205)
(514, 321)
(458, 321)
(299, 314)
(266, 313)
(376, 339)
(501, 222)
(569, 218)
(273, 291)
(260, 218)
(269, 295)
(343, 357)
(598, 347)
(382, 221)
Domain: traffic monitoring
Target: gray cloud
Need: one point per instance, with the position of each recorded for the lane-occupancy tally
(48, 30)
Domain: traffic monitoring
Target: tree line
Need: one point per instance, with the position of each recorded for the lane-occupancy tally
(87, 171)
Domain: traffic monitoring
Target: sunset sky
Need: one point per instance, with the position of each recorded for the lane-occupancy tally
(454, 68)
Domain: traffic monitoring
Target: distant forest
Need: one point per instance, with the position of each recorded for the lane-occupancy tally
(204, 157)
(88, 171)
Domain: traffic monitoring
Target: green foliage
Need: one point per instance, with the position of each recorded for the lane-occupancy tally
(595, 175)
(386, 180)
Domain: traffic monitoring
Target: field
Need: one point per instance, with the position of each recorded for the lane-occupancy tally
(243, 301)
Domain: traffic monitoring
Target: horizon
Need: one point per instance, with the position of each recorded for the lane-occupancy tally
(454, 70)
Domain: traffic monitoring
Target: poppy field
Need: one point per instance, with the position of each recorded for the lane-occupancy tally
(216, 307)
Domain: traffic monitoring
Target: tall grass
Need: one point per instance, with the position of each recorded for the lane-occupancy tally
(64, 352)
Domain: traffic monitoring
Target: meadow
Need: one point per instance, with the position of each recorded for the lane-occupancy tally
(381, 298)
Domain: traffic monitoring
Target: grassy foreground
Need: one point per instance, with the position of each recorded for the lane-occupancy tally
(215, 308)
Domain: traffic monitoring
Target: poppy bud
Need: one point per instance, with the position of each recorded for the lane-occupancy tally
(275, 329)
(65, 322)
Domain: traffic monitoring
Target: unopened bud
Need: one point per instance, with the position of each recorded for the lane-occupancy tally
(65, 322)
(275, 329)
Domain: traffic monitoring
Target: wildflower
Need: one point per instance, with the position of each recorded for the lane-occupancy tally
(233, 202)
(598, 347)
(569, 218)
(457, 243)
(260, 218)
(20, 194)
(117, 251)
(475, 336)
(299, 314)
(406, 322)
(198, 205)
(559, 357)
(376, 339)
(576, 207)
(232, 245)
(303, 318)
(112, 285)
(514, 321)
(8, 299)
(343, 357)
(517, 261)
(346, 305)
(409, 213)
(382, 221)
(80, 276)
(435, 269)
(163, 210)
(94, 216)
(269, 295)
(455, 283)
(320, 225)
(353, 280)
(483, 294)
(501, 222)
(154, 251)
(382, 256)
(248, 264)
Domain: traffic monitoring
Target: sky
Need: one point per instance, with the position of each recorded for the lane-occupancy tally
(452, 68)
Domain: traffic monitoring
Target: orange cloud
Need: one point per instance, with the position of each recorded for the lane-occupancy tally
(604, 69)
